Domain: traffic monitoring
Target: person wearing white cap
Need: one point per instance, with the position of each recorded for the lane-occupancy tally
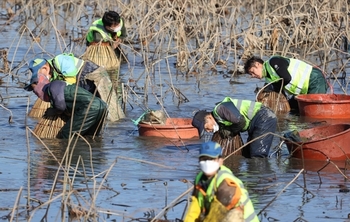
(218, 195)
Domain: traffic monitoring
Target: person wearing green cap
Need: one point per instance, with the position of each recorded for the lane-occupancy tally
(218, 195)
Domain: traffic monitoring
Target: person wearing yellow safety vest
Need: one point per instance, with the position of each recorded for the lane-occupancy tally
(64, 67)
(232, 116)
(298, 77)
(218, 195)
(86, 74)
(110, 28)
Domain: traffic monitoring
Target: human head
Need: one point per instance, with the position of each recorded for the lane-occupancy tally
(210, 124)
(254, 67)
(210, 158)
(37, 66)
(111, 21)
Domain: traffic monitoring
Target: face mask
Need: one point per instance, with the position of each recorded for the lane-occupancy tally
(209, 167)
(215, 128)
(119, 27)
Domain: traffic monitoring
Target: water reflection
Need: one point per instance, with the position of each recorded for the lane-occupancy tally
(55, 157)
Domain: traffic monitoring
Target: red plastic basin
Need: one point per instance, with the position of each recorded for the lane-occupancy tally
(174, 128)
(322, 143)
(331, 106)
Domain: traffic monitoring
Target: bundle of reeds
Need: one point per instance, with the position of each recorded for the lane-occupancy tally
(48, 127)
(229, 145)
(275, 101)
(39, 108)
(103, 55)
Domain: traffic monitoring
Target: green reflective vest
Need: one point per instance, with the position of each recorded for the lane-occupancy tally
(224, 172)
(300, 72)
(66, 67)
(99, 27)
(246, 108)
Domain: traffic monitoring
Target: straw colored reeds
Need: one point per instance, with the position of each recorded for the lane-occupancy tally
(103, 55)
(39, 108)
(48, 127)
(229, 145)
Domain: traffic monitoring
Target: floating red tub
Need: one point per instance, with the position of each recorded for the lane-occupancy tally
(331, 106)
(173, 128)
(323, 142)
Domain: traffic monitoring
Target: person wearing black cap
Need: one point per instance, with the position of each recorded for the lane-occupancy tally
(232, 116)
(218, 195)
(109, 28)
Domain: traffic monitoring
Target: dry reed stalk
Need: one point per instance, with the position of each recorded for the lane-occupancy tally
(48, 127)
(39, 108)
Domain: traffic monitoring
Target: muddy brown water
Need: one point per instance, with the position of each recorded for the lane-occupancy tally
(132, 190)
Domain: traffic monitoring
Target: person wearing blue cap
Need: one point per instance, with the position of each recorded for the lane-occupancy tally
(64, 67)
(218, 195)
(86, 111)
(86, 74)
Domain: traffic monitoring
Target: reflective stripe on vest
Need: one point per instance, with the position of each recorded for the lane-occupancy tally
(247, 109)
(224, 172)
(99, 27)
(300, 72)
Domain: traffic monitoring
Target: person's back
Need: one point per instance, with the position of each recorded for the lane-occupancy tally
(86, 110)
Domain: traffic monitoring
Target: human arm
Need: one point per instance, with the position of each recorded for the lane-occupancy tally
(234, 117)
(280, 65)
(56, 94)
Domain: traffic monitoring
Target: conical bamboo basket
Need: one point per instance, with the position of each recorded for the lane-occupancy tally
(103, 55)
(229, 145)
(39, 108)
(49, 127)
(275, 101)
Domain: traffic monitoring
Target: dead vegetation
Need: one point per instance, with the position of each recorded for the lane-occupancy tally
(189, 37)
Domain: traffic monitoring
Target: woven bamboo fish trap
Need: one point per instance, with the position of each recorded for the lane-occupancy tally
(275, 101)
(229, 145)
(107, 93)
(48, 127)
(38, 108)
(103, 55)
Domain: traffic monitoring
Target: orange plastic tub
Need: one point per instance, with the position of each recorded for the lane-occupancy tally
(174, 128)
(322, 143)
(331, 106)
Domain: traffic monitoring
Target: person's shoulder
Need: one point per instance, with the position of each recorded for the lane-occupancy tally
(57, 83)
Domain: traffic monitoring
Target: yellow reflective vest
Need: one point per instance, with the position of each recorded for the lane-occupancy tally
(99, 27)
(300, 72)
(246, 108)
(205, 199)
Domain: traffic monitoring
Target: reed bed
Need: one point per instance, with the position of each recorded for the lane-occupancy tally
(202, 37)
